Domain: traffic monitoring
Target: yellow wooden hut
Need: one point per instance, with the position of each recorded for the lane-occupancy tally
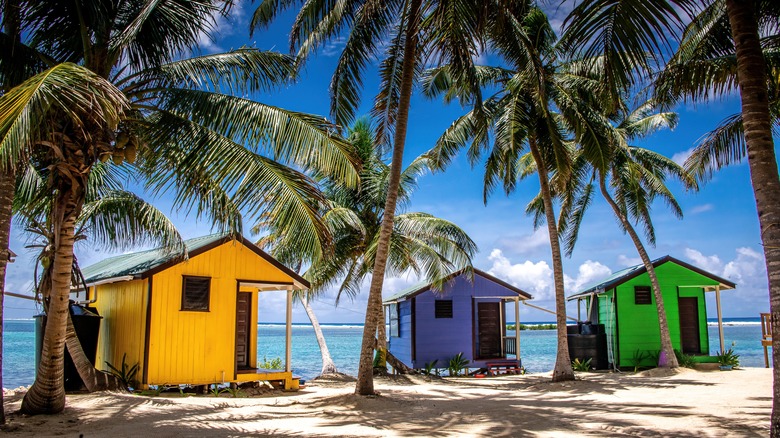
(191, 322)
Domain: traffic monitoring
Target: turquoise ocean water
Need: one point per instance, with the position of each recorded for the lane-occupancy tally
(537, 347)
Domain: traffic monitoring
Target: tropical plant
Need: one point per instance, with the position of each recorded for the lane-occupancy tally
(429, 367)
(685, 360)
(637, 177)
(216, 391)
(637, 359)
(429, 246)
(171, 113)
(540, 111)
(728, 358)
(580, 365)
(457, 364)
(405, 35)
(731, 31)
(273, 364)
(111, 218)
(234, 391)
(125, 373)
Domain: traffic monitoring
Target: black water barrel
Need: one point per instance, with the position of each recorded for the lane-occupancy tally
(86, 322)
(590, 346)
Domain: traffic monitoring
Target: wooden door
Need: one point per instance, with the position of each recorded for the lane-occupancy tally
(489, 330)
(243, 321)
(689, 325)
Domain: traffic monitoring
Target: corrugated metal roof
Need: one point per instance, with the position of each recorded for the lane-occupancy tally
(138, 263)
(423, 286)
(624, 275)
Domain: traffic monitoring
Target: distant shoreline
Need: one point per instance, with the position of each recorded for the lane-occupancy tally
(551, 324)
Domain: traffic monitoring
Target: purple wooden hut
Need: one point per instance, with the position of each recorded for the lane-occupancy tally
(464, 317)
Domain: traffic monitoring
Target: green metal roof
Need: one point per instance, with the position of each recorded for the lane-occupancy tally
(423, 286)
(138, 263)
(624, 275)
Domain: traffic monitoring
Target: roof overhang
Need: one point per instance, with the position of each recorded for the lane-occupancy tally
(269, 286)
(723, 284)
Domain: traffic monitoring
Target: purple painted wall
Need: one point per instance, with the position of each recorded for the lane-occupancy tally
(443, 338)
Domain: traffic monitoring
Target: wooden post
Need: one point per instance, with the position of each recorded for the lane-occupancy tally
(288, 333)
(579, 313)
(720, 319)
(517, 329)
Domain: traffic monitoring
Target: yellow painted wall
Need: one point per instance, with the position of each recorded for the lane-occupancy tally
(189, 347)
(123, 308)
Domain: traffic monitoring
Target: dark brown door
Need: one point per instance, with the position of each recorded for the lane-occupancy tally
(489, 330)
(243, 319)
(689, 325)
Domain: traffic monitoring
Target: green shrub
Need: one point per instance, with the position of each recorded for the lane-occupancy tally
(639, 356)
(457, 364)
(273, 364)
(126, 374)
(580, 365)
(728, 357)
(685, 360)
(429, 367)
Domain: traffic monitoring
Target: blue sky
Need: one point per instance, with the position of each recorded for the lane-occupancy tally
(719, 232)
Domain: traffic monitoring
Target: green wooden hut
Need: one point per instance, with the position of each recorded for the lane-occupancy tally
(624, 304)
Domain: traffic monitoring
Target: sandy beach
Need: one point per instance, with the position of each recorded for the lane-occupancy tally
(683, 403)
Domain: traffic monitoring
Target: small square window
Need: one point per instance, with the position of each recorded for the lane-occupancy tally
(195, 293)
(642, 295)
(443, 308)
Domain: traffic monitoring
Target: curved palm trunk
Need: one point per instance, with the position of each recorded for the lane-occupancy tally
(7, 190)
(752, 78)
(11, 27)
(563, 370)
(668, 358)
(328, 367)
(47, 393)
(365, 379)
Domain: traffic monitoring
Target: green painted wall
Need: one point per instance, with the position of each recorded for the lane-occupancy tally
(637, 325)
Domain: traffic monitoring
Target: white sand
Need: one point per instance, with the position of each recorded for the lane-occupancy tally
(685, 403)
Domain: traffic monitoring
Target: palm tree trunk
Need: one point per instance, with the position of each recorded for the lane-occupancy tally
(328, 367)
(563, 370)
(365, 379)
(7, 190)
(47, 394)
(752, 78)
(11, 27)
(670, 360)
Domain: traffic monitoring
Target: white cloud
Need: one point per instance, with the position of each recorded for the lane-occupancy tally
(537, 278)
(588, 272)
(702, 208)
(526, 243)
(681, 156)
(708, 263)
(747, 270)
(334, 46)
(748, 267)
(624, 260)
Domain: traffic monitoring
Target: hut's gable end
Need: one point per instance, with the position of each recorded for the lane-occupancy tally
(639, 332)
(122, 329)
(199, 346)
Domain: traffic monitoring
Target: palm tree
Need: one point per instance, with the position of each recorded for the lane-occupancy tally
(643, 27)
(541, 108)
(112, 218)
(140, 97)
(637, 177)
(421, 243)
(406, 36)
